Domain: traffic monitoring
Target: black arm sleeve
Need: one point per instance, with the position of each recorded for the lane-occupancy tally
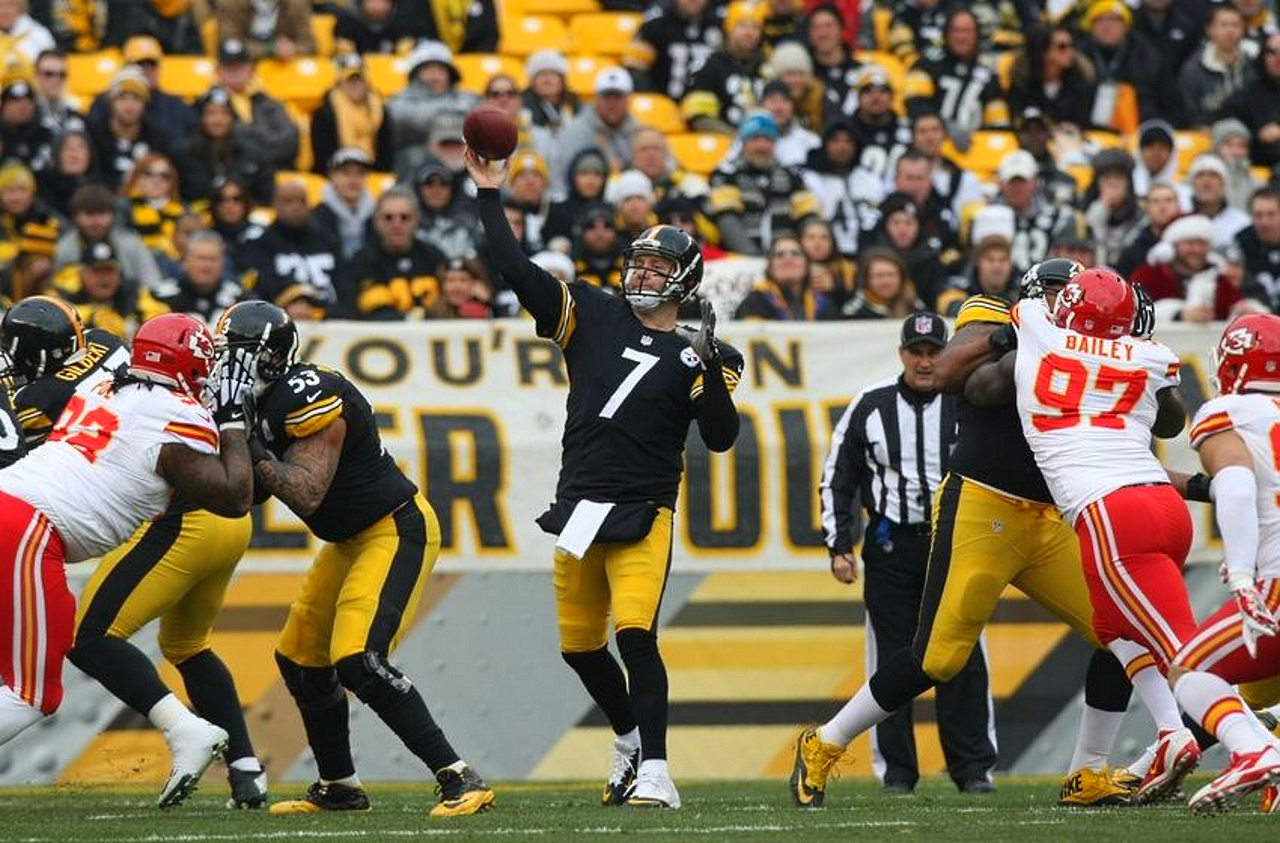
(546, 298)
(717, 417)
(842, 482)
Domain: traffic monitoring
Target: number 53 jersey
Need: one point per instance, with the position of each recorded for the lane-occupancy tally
(95, 478)
(632, 393)
(1087, 406)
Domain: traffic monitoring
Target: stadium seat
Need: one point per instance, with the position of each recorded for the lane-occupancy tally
(322, 32)
(314, 183)
(1189, 143)
(209, 36)
(603, 33)
(583, 71)
(478, 68)
(560, 8)
(699, 152)
(387, 73)
(526, 34)
(186, 76)
(1104, 139)
(89, 74)
(658, 111)
(1083, 174)
(376, 182)
(300, 81)
(986, 150)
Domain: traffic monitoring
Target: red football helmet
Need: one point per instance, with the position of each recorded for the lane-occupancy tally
(176, 350)
(1248, 355)
(1096, 303)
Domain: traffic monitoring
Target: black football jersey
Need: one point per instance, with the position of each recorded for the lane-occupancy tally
(631, 399)
(962, 93)
(735, 84)
(367, 484)
(680, 47)
(39, 403)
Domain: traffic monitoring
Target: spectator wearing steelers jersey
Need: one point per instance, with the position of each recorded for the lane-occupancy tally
(104, 297)
(728, 85)
(394, 276)
(952, 81)
(27, 225)
(154, 204)
(672, 44)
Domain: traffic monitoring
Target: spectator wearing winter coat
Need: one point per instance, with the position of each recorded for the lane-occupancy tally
(1050, 75)
(606, 125)
(1161, 207)
(222, 148)
(1231, 144)
(351, 116)
(262, 121)
(1257, 105)
(1156, 163)
(1221, 69)
(168, 115)
(847, 194)
(275, 28)
(1111, 210)
(548, 100)
(432, 89)
(94, 219)
(439, 224)
(1186, 278)
(346, 208)
(1208, 177)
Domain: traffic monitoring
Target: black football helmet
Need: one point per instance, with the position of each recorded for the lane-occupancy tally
(37, 336)
(669, 242)
(1144, 316)
(1054, 272)
(267, 331)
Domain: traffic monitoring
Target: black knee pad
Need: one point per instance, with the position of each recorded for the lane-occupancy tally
(637, 646)
(311, 687)
(370, 672)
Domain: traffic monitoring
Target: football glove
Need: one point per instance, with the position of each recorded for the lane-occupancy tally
(1144, 319)
(235, 382)
(1198, 487)
(705, 342)
(1256, 619)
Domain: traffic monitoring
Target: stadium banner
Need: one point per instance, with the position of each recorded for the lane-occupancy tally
(473, 411)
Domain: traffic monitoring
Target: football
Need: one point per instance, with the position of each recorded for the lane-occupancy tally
(490, 132)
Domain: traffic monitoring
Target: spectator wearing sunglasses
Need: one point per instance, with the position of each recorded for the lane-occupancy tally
(345, 212)
(229, 210)
(154, 205)
(59, 111)
(503, 93)
(784, 294)
(394, 276)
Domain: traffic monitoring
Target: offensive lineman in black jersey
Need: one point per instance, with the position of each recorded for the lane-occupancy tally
(315, 446)
(175, 568)
(636, 383)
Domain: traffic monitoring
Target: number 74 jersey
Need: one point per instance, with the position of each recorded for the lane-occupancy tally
(1087, 406)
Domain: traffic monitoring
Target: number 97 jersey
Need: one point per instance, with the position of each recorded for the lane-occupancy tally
(1087, 406)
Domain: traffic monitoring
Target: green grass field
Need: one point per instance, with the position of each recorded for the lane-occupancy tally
(1023, 810)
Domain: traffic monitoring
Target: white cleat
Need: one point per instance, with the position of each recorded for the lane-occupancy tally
(1177, 754)
(653, 789)
(1248, 772)
(194, 744)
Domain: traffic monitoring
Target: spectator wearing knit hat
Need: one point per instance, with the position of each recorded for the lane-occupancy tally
(605, 124)
(548, 100)
(528, 187)
(585, 183)
(221, 148)
(881, 134)
(1231, 144)
(672, 44)
(371, 26)
(631, 193)
(1217, 72)
(454, 234)
(260, 119)
(167, 114)
(1259, 246)
(1257, 104)
(1185, 277)
(1208, 177)
(1111, 207)
(1133, 78)
(790, 65)
(1156, 162)
(432, 89)
(728, 85)
(276, 28)
(24, 136)
(26, 223)
(847, 194)
(125, 134)
(351, 114)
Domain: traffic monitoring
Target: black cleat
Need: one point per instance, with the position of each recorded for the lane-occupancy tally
(324, 797)
(618, 788)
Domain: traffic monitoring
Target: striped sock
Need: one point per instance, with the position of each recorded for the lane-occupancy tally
(1213, 704)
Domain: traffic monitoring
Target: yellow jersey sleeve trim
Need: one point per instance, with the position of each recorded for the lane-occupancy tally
(313, 418)
(983, 309)
(568, 321)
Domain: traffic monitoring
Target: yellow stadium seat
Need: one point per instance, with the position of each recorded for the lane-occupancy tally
(658, 111)
(186, 76)
(313, 182)
(209, 35)
(387, 73)
(1260, 174)
(322, 32)
(1083, 174)
(89, 74)
(583, 71)
(300, 81)
(526, 34)
(603, 33)
(1187, 145)
(559, 8)
(699, 152)
(1104, 139)
(376, 182)
(478, 68)
(986, 150)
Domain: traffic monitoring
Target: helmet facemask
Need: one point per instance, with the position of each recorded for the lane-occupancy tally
(674, 288)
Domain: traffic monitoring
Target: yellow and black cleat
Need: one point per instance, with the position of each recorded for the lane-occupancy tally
(461, 794)
(1088, 788)
(814, 762)
(324, 797)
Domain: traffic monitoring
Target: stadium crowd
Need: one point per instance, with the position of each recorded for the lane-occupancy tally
(879, 158)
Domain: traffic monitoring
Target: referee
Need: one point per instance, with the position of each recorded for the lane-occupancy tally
(889, 451)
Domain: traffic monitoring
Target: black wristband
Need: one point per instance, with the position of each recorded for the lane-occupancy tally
(1003, 339)
(1198, 487)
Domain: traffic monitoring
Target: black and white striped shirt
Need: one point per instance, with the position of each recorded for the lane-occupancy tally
(890, 450)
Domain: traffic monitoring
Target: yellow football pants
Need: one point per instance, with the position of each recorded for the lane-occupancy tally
(175, 568)
(984, 540)
(625, 579)
(362, 593)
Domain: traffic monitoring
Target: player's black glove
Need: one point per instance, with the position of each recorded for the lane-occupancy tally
(1003, 339)
(705, 342)
(1144, 317)
(1198, 486)
(257, 448)
(235, 381)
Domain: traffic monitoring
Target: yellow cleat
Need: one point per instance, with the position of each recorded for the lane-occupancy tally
(461, 794)
(1125, 779)
(1088, 788)
(323, 798)
(814, 762)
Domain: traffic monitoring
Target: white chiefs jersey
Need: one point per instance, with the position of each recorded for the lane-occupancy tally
(1087, 406)
(95, 478)
(1255, 419)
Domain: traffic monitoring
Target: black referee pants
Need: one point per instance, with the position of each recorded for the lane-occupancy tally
(892, 591)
